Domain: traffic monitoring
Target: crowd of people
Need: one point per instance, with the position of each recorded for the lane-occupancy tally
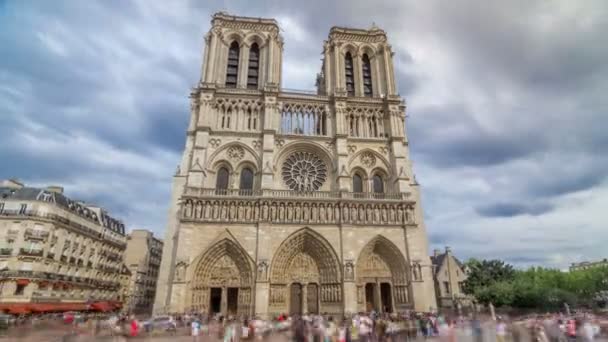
(361, 327)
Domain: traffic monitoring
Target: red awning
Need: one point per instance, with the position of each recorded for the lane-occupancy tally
(19, 309)
(102, 306)
(23, 281)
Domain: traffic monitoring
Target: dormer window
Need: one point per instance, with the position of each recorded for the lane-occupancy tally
(232, 69)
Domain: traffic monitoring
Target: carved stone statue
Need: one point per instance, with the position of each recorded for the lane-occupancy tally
(384, 214)
(349, 273)
(376, 215)
(322, 216)
(265, 211)
(313, 213)
(232, 211)
(241, 212)
(273, 212)
(298, 213)
(262, 271)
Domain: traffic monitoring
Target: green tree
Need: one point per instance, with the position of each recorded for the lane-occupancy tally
(483, 273)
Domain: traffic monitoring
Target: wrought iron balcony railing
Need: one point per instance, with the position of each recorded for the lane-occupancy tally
(30, 252)
(36, 234)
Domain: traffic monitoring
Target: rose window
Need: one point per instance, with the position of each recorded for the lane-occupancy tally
(303, 171)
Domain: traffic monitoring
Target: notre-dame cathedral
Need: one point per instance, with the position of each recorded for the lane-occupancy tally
(295, 201)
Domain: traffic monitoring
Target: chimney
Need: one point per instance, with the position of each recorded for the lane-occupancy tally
(12, 183)
(55, 188)
(436, 252)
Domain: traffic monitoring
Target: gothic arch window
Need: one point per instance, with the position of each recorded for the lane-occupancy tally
(367, 76)
(254, 67)
(221, 181)
(349, 72)
(378, 184)
(246, 183)
(232, 70)
(357, 183)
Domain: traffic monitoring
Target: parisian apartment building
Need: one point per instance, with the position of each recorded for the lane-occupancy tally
(142, 260)
(57, 253)
(585, 265)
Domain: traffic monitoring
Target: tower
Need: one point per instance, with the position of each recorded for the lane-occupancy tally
(291, 201)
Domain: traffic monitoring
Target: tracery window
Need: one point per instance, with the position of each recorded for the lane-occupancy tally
(367, 76)
(246, 184)
(357, 183)
(378, 184)
(303, 171)
(350, 74)
(221, 182)
(254, 66)
(232, 70)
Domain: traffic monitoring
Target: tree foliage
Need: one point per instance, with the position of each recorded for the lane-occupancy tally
(495, 282)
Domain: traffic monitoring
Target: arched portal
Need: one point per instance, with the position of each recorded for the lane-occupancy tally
(305, 276)
(222, 280)
(382, 277)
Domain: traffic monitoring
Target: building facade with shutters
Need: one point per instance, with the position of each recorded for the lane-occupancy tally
(142, 259)
(295, 201)
(56, 253)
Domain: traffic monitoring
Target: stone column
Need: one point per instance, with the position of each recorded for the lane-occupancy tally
(377, 297)
(224, 301)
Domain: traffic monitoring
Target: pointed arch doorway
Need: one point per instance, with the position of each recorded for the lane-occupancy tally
(222, 280)
(305, 276)
(382, 281)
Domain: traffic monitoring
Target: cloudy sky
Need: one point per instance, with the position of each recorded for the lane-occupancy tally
(507, 105)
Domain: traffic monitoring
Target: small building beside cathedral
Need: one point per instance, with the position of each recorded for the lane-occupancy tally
(295, 201)
(449, 274)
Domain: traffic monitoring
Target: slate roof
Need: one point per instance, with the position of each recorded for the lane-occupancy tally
(438, 260)
(77, 207)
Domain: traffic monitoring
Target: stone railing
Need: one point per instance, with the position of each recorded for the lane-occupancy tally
(290, 207)
(335, 195)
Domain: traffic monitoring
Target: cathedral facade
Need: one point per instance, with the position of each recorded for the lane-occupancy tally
(295, 201)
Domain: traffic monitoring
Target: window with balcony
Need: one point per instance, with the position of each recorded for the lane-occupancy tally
(378, 184)
(221, 182)
(232, 70)
(357, 183)
(246, 183)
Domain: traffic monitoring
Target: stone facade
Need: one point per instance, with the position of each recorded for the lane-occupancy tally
(450, 275)
(289, 201)
(142, 258)
(55, 249)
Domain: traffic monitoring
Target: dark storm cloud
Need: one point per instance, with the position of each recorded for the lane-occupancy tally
(513, 209)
